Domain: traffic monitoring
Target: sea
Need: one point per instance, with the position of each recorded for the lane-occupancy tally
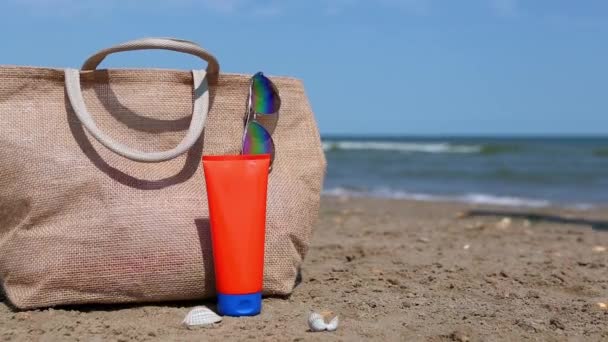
(510, 171)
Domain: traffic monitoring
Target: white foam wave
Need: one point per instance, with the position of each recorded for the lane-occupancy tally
(407, 147)
(505, 201)
(473, 198)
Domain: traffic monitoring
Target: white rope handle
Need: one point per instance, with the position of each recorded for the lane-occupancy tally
(201, 80)
(173, 44)
(199, 115)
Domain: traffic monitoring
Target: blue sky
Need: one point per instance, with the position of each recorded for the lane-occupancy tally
(370, 67)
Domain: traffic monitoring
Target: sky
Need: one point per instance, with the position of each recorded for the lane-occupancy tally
(384, 67)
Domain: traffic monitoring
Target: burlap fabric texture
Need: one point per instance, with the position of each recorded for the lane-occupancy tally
(91, 212)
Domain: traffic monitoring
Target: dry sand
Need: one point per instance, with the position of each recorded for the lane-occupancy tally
(394, 271)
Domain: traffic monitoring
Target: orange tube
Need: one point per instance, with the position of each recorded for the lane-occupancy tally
(236, 191)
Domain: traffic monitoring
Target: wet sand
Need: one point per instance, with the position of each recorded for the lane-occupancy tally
(398, 270)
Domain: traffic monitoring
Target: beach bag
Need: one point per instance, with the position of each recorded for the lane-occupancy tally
(102, 194)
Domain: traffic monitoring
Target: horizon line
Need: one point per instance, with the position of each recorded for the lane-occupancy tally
(464, 135)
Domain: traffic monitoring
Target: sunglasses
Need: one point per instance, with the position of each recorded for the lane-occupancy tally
(263, 100)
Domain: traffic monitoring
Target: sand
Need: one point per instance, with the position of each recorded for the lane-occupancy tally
(394, 271)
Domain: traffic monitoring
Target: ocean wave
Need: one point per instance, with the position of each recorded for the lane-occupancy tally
(472, 198)
(505, 201)
(421, 147)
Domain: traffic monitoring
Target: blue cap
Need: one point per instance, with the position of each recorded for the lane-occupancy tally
(239, 305)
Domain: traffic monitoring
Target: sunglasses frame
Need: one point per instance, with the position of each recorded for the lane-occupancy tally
(251, 116)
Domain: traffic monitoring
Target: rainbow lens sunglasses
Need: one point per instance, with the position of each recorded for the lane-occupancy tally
(263, 100)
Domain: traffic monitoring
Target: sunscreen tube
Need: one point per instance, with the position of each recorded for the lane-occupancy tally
(236, 191)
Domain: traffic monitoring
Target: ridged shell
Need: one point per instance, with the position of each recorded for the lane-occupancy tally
(316, 323)
(201, 315)
(333, 324)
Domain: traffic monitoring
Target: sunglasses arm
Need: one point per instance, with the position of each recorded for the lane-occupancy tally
(248, 115)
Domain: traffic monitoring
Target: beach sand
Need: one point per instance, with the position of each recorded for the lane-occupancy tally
(398, 270)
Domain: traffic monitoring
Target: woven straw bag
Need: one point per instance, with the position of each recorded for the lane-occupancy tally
(90, 212)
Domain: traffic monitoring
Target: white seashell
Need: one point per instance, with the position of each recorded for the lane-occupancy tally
(201, 315)
(316, 322)
(504, 223)
(333, 324)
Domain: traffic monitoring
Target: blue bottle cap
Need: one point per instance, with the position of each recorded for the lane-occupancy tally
(239, 305)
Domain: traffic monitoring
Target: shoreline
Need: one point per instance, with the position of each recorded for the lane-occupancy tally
(399, 270)
(470, 199)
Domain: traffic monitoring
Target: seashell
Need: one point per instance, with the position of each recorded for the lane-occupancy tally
(504, 223)
(201, 315)
(462, 214)
(333, 324)
(475, 226)
(316, 322)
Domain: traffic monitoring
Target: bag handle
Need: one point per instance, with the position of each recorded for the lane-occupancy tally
(200, 107)
(173, 44)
